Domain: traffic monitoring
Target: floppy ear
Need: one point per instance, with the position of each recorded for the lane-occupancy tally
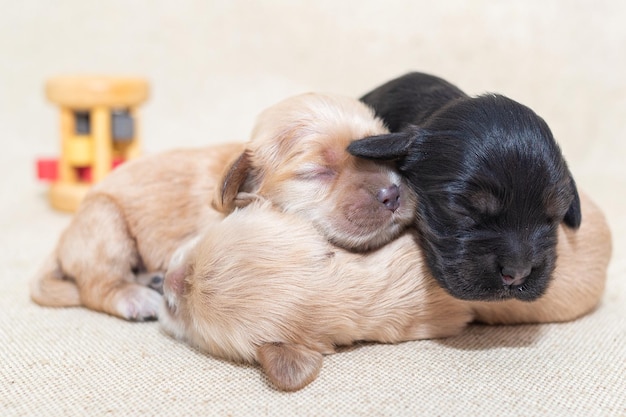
(242, 199)
(386, 147)
(232, 181)
(289, 366)
(573, 217)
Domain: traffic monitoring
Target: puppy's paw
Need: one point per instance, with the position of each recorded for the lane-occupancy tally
(137, 303)
(152, 280)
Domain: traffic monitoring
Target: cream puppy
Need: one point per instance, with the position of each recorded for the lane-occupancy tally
(297, 158)
(264, 286)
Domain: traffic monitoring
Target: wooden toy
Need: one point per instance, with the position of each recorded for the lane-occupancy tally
(99, 129)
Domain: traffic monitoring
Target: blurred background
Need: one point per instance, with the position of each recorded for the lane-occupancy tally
(214, 65)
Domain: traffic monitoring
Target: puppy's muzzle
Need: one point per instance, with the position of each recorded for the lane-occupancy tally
(389, 197)
(513, 276)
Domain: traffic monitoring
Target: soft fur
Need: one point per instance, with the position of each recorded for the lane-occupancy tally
(125, 231)
(411, 99)
(264, 286)
(297, 156)
(492, 185)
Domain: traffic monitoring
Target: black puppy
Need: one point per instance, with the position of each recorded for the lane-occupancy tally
(491, 181)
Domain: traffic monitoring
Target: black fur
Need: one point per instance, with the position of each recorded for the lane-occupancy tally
(492, 186)
(410, 99)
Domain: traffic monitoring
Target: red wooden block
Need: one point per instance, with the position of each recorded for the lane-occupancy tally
(84, 173)
(48, 169)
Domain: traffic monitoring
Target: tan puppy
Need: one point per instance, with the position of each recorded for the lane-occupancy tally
(262, 286)
(297, 158)
(130, 223)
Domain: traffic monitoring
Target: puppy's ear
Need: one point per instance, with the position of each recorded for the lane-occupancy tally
(244, 199)
(384, 147)
(231, 183)
(289, 366)
(574, 217)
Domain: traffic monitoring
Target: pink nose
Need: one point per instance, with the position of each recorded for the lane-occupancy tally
(514, 276)
(174, 282)
(389, 197)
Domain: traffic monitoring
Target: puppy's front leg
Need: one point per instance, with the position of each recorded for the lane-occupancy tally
(98, 252)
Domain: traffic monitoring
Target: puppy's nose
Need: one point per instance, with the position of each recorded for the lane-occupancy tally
(174, 281)
(389, 197)
(514, 276)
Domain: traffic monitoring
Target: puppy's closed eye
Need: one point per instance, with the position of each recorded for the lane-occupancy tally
(476, 207)
(315, 172)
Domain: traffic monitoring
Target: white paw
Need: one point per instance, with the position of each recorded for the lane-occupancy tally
(138, 303)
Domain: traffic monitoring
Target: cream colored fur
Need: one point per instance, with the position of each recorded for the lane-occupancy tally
(263, 286)
(130, 223)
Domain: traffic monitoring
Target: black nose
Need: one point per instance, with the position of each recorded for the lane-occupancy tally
(515, 275)
(389, 197)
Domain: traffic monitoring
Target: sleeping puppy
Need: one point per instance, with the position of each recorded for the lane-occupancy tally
(124, 233)
(264, 286)
(492, 187)
(297, 158)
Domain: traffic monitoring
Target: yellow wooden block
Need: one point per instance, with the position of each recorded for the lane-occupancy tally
(85, 92)
(103, 145)
(88, 143)
(67, 197)
(79, 151)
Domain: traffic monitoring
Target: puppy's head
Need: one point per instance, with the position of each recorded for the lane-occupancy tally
(297, 159)
(242, 291)
(492, 187)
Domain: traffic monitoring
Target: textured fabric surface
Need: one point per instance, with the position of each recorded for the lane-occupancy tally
(213, 66)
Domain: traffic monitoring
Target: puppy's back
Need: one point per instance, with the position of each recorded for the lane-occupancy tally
(410, 99)
(142, 196)
(181, 192)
